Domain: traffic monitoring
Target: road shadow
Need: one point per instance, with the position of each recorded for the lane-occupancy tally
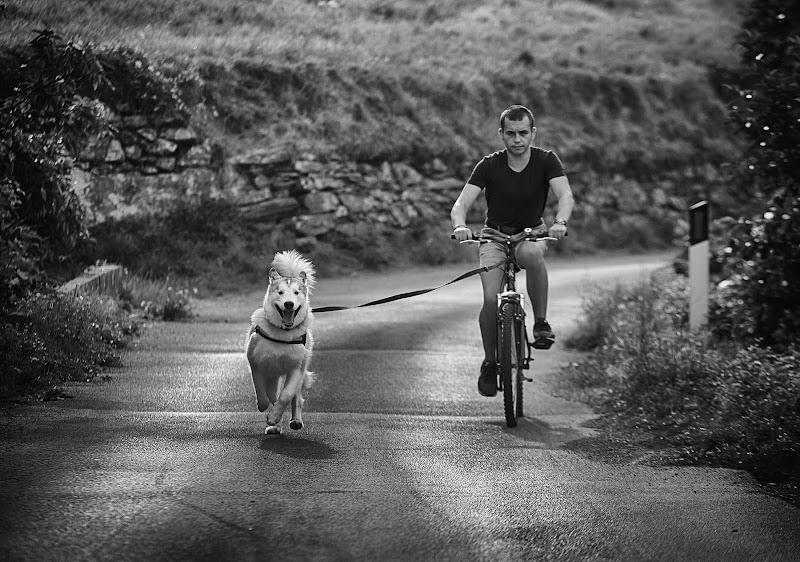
(296, 447)
(540, 434)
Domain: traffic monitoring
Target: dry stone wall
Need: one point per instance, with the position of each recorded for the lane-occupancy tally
(150, 163)
(317, 197)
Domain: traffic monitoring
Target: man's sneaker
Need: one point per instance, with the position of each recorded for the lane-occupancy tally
(487, 382)
(543, 336)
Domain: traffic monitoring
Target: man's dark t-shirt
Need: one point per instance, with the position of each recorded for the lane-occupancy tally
(514, 198)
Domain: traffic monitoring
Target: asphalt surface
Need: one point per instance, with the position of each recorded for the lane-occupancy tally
(400, 459)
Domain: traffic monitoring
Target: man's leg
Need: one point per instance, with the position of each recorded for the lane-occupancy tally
(530, 255)
(491, 282)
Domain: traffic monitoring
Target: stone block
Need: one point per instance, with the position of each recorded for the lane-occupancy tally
(406, 175)
(445, 184)
(162, 147)
(147, 134)
(270, 209)
(97, 279)
(314, 225)
(354, 203)
(133, 152)
(308, 167)
(264, 157)
(114, 152)
(321, 202)
(165, 164)
(179, 134)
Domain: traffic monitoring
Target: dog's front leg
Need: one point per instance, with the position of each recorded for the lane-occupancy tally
(297, 410)
(289, 390)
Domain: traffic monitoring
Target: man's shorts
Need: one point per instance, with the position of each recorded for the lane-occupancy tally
(492, 253)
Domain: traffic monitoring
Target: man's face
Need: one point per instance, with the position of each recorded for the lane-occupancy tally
(517, 136)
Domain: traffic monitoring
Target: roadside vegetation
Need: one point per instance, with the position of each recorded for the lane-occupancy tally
(728, 395)
(51, 338)
(690, 397)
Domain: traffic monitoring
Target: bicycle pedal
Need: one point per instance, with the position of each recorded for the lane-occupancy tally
(526, 379)
(543, 343)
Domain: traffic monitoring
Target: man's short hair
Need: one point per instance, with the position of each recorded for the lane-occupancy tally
(515, 113)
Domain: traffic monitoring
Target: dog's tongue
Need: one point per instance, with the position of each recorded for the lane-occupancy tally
(288, 316)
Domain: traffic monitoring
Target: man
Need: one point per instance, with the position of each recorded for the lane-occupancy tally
(516, 182)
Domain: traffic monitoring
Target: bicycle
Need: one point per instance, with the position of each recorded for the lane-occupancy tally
(513, 350)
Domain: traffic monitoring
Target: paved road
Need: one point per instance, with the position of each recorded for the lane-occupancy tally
(400, 458)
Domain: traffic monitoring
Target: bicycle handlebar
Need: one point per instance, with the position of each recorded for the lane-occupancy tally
(478, 237)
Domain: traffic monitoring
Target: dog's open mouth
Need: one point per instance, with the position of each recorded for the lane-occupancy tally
(287, 315)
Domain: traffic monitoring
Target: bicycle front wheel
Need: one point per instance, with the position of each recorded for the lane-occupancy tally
(507, 340)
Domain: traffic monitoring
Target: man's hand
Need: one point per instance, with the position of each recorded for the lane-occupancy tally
(462, 233)
(558, 230)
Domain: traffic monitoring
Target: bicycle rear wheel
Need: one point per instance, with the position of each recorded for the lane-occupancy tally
(508, 348)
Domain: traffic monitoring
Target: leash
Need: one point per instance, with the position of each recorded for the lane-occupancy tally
(409, 294)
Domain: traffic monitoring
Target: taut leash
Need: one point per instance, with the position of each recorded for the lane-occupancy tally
(409, 294)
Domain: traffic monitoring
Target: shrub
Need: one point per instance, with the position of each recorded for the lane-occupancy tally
(53, 96)
(157, 299)
(694, 390)
(53, 338)
(764, 252)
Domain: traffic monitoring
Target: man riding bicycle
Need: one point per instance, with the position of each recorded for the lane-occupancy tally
(516, 181)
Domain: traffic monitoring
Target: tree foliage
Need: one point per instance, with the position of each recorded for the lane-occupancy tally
(54, 96)
(42, 114)
(765, 249)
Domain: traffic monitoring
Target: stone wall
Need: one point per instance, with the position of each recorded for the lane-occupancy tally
(317, 197)
(149, 164)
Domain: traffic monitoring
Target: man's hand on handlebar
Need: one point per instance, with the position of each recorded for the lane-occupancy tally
(558, 230)
(462, 233)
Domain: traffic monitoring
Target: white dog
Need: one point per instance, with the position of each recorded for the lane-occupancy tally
(279, 343)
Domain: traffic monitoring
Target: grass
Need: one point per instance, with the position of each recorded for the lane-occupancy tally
(402, 79)
(461, 38)
(696, 397)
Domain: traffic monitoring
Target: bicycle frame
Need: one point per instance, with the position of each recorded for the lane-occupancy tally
(509, 294)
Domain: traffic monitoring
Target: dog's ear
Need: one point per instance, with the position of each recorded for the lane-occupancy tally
(273, 274)
(303, 277)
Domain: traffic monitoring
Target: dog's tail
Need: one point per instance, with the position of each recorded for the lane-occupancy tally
(309, 380)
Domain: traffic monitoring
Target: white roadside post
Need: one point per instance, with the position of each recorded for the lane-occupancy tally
(698, 264)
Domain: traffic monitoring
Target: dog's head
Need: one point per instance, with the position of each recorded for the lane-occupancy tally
(286, 302)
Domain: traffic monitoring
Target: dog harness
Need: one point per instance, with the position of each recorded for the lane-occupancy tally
(263, 334)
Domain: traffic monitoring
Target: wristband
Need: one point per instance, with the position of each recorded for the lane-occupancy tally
(560, 221)
(459, 226)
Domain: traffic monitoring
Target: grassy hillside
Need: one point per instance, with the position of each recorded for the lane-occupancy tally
(614, 83)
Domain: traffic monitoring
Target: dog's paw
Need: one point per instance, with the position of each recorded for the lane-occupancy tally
(296, 424)
(272, 430)
(263, 407)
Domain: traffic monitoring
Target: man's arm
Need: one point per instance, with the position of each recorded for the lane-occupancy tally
(561, 189)
(458, 214)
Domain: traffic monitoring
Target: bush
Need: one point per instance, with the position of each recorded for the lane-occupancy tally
(54, 338)
(54, 95)
(157, 299)
(764, 252)
(698, 392)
